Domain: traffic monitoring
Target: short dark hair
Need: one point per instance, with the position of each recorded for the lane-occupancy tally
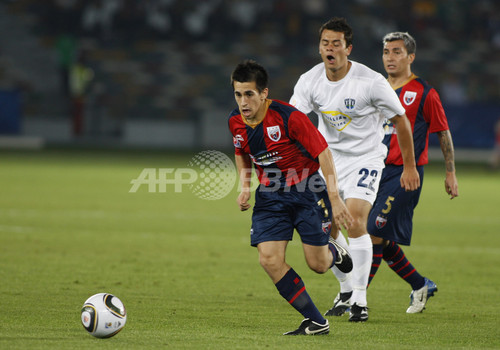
(410, 43)
(338, 24)
(248, 71)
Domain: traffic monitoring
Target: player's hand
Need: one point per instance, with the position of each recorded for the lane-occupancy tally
(243, 199)
(451, 185)
(410, 179)
(341, 215)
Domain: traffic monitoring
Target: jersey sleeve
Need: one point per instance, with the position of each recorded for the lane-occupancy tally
(434, 112)
(300, 98)
(238, 151)
(302, 130)
(236, 140)
(385, 98)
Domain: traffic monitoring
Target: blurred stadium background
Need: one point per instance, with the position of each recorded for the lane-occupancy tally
(155, 73)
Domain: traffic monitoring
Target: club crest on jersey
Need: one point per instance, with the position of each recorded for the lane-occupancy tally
(380, 222)
(349, 103)
(237, 140)
(274, 133)
(409, 97)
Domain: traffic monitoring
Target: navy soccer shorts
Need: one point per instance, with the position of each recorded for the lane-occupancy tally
(391, 217)
(304, 206)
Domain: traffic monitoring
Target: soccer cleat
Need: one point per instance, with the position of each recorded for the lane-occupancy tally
(344, 261)
(358, 313)
(418, 298)
(341, 304)
(309, 327)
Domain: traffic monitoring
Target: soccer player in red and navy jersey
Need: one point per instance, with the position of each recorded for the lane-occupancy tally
(390, 220)
(287, 151)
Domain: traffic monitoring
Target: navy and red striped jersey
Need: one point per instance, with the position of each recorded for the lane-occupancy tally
(425, 112)
(284, 146)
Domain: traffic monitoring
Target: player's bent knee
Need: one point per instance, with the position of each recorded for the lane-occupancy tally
(320, 269)
(318, 266)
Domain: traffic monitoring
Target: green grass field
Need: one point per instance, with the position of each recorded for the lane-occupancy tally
(183, 267)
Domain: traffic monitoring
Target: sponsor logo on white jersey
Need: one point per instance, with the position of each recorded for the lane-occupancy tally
(336, 119)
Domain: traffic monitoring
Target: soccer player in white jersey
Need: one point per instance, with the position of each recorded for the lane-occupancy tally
(352, 101)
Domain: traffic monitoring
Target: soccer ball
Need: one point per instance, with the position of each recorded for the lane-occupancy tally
(103, 315)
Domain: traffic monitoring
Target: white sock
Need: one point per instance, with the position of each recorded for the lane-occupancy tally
(342, 241)
(361, 251)
(343, 278)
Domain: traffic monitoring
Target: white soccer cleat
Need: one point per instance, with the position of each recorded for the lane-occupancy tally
(418, 298)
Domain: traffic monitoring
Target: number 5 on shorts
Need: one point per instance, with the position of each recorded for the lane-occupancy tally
(388, 204)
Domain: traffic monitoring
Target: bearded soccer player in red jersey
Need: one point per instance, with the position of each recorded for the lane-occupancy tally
(287, 151)
(390, 220)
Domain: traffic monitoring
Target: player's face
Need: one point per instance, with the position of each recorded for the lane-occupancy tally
(396, 59)
(333, 50)
(250, 101)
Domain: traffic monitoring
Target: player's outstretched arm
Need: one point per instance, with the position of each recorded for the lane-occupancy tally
(450, 182)
(244, 167)
(410, 180)
(340, 214)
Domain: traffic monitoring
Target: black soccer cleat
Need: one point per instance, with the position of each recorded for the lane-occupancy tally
(341, 305)
(309, 327)
(358, 313)
(344, 261)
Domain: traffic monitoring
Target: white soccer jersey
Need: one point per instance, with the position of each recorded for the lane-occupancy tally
(352, 110)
